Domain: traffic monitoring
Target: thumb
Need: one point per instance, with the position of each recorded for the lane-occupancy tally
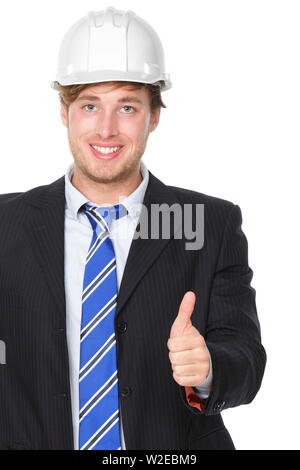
(183, 319)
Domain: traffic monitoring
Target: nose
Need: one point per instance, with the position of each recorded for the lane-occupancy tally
(107, 125)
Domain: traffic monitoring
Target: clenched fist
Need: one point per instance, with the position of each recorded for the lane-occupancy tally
(188, 352)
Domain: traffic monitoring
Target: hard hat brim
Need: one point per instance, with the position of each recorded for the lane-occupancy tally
(162, 80)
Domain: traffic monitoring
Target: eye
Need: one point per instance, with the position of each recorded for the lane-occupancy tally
(127, 106)
(90, 105)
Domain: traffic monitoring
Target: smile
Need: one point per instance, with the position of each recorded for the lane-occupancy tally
(106, 153)
(106, 150)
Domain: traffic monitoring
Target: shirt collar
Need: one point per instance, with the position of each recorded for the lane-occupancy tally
(75, 199)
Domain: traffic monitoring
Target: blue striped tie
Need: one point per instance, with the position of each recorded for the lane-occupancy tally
(98, 380)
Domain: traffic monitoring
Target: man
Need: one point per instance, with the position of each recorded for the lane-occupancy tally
(116, 336)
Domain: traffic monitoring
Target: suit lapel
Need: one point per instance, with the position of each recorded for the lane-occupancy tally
(143, 252)
(46, 232)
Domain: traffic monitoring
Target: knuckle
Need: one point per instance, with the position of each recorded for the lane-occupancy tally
(201, 338)
(200, 341)
(201, 354)
(177, 378)
(172, 344)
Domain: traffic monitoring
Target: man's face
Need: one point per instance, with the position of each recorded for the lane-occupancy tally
(103, 117)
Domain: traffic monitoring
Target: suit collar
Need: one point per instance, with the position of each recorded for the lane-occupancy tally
(53, 194)
(75, 199)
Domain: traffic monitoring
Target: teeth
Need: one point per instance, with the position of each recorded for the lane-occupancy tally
(106, 149)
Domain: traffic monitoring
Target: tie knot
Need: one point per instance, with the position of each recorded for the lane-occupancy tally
(104, 216)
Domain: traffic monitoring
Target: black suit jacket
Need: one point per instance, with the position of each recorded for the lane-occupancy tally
(35, 402)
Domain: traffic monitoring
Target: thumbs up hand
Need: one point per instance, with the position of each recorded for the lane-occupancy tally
(188, 352)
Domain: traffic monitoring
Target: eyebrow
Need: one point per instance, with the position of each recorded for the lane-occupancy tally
(125, 99)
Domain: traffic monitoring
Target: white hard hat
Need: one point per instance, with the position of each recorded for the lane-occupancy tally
(111, 45)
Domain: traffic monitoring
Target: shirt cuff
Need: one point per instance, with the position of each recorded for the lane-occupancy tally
(204, 389)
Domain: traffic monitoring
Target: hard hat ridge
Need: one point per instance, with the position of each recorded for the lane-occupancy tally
(115, 17)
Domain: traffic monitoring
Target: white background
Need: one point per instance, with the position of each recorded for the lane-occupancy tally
(231, 130)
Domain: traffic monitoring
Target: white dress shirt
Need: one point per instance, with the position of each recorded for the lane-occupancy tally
(78, 235)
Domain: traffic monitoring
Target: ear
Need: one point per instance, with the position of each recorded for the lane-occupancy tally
(155, 119)
(64, 114)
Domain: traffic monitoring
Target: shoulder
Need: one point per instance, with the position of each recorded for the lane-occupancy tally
(213, 206)
(37, 196)
(4, 198)
(220, 216)
(19, 196)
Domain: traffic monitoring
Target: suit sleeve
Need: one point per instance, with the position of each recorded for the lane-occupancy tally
(233, 330)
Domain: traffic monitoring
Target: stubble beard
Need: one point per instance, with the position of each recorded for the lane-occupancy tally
(127, 170)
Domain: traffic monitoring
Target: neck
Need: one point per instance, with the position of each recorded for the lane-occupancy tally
(106, 194)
